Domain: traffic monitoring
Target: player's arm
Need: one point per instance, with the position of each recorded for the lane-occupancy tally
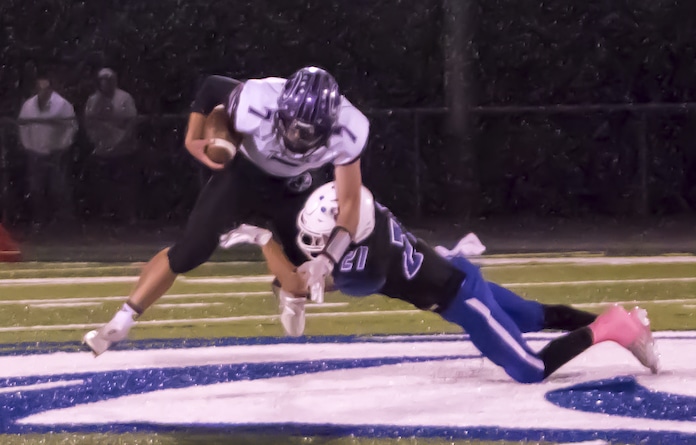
(216, 90)
(348, 183)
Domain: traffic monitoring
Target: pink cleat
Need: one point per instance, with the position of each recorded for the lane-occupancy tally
(630, 330)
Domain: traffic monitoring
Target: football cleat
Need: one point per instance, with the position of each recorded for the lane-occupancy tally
(292, 313)
(643, 347)
(245, 234)
(630, 330)
(100, 340)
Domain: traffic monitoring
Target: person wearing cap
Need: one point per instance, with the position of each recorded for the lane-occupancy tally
(110, 124)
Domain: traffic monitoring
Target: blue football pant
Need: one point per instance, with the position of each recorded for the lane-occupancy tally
(495, 318)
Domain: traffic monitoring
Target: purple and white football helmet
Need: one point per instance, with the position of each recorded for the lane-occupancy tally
(307, 110)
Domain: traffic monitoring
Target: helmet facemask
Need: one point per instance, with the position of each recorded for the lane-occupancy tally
(300, 138)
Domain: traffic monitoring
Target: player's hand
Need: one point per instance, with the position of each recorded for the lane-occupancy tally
(197, 149)
(314, 273)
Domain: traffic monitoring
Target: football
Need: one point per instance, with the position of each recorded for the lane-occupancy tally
(220, 151)
(225, 143)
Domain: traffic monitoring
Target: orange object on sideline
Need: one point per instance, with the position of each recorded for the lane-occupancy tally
(9, 249)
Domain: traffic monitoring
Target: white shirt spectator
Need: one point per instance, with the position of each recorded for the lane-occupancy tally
(56, 134)
(110, 120)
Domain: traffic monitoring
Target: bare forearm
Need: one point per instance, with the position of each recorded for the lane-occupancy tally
(196, 123)
(349, 216)
(348, 190)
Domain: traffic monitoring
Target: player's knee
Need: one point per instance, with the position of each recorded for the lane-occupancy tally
(186, 256)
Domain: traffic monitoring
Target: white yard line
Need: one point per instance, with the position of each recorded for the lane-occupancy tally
(226, 280)
(99, 280)
(190, 321)
(82, 266)
(586, 282)
(62, 305)
(268, 278)
(607, 303)
(187, 305)
(628, 260)
(124, 297)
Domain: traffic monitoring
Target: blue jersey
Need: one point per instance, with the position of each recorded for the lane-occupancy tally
(393, 262)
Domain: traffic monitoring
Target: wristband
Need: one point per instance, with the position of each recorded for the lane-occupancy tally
(338, 243)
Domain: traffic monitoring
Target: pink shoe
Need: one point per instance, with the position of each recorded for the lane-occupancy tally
(630, 330)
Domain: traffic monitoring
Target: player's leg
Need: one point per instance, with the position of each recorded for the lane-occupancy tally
(529, 315)
(496, 335)
(532, 316)
(216, 210)
(287, 255)
(629, 329)
(492, 330)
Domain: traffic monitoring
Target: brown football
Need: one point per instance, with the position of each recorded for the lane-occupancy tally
(221, 151)
(217, 127)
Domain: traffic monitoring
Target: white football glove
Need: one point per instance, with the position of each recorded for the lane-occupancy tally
(314, 273)
(245, 234)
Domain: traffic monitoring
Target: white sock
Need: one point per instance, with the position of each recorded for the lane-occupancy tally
(125, 316)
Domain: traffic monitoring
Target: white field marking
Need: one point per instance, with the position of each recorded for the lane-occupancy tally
(186, 305)
(124, 297)
(312, 305)
(74, 269)
(62, 305)
(99, 280)
(190, 321)
(83, 266)
(192, 305)
(586, 282)
(665, 259)
(227, 280)
(40, 386)
(607, 303)
(268, 278)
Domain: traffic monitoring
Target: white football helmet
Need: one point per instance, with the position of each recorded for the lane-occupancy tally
(318, 218)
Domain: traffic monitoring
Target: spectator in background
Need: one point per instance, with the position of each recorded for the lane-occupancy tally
(110, 120)
(46, 136)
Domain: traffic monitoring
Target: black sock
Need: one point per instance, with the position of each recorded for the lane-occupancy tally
(565, 318)
(562, 350)
(137, 309)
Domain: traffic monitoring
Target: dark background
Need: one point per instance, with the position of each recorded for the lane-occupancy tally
(573, 109)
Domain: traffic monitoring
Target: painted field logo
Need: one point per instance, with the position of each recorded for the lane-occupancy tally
(383, 386)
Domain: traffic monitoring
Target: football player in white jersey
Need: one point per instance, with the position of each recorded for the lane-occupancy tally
(288, 130)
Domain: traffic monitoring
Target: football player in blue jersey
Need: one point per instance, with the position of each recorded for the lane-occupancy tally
(384, 258)
(287, 129)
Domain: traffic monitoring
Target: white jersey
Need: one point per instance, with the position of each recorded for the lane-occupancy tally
(254, 120)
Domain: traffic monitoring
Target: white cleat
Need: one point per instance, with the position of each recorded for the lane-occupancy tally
(245, 234)
(643, 348)
(100, 340)
(292, 313)
(469, 246)
(96, 342)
